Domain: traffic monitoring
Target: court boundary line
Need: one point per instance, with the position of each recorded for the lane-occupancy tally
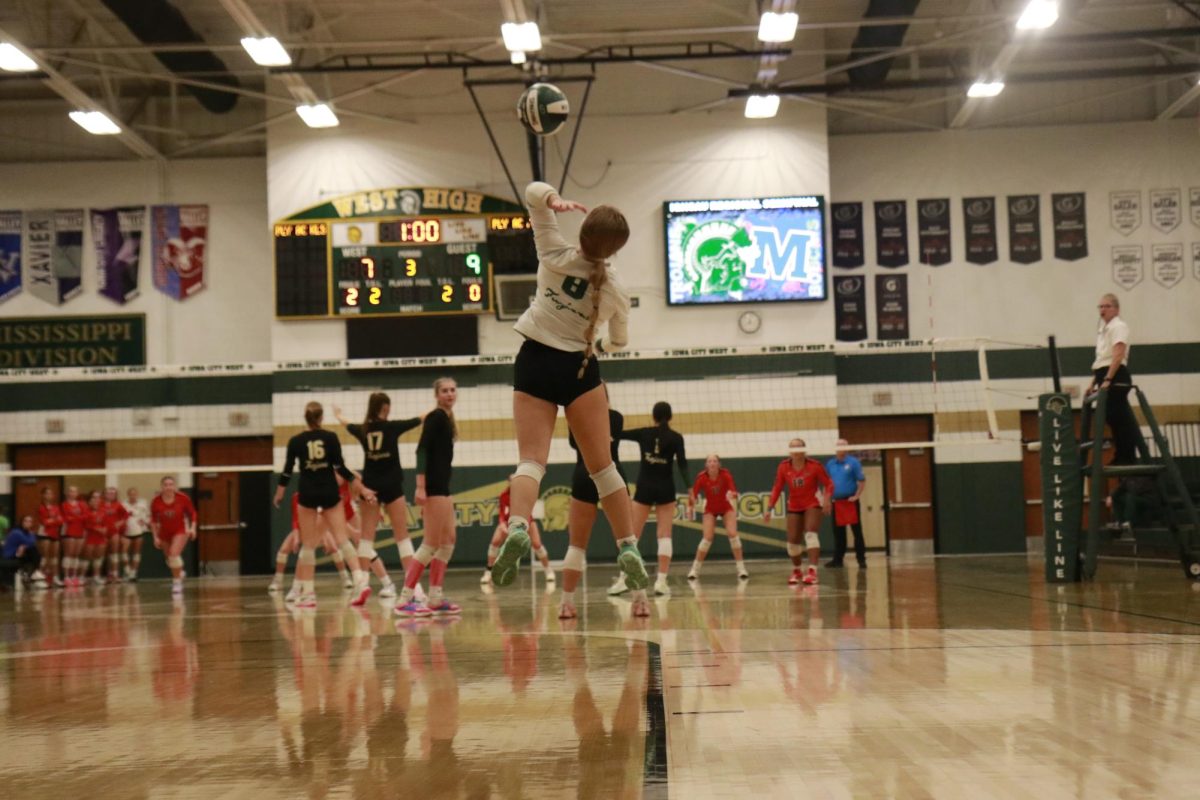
(655, 767)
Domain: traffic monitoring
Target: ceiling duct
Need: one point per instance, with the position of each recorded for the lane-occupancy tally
(873, 39)
(159, 22)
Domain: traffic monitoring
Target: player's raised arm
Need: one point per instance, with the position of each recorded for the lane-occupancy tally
(553, 250)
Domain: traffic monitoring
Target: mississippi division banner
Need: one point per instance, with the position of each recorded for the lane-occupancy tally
(179, 236)
(1125, 211)
(891, 306)
(1166, 209)
(1166, 264)
(10, 254)
(933, 231)
(1128, 266)
(979, 218)
(847, 234)
(1070, 226)
(1024, 228)
(117, 237)
(52, 251)
(891, 233)
(850, 308)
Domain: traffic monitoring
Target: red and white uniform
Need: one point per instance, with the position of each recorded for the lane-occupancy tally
(172, 518)
(114, 516)
(75, 514)
(96, 526)
(802, 484)
(715, 491)
(505, 506)
(51, 519)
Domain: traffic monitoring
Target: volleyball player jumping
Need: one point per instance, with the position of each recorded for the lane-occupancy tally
(802, 477)
(716, 487)
(501, 533)
(577, 293)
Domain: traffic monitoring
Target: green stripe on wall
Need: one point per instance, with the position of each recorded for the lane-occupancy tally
(134, 392)
(980, 508)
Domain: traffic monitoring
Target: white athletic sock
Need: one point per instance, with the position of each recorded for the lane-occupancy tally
(697, 564)
(569, 597)
(359, 577)
(740, 564)
(435, 595)
(628, 540)
(406, 594)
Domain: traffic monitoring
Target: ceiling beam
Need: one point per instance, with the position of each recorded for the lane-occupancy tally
(1180, 103)
(251, 25)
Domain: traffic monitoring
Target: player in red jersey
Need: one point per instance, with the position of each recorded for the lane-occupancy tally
(501, 534)
(115, 517)
(96, 526)
(802, 477)
(74, 513)
(716, 487)
(50, 520)
(173, 523)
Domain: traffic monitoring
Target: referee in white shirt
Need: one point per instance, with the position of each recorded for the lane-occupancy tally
(1110, 371)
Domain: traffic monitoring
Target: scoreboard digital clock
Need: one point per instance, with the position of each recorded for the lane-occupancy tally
(398, 252)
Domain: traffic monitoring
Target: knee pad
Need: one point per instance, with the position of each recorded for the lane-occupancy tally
(665, 548)
(307, 556)
(347, 550)
(405, 547)
(425, 554)
(735, 543)
(794, 550)
(443, 553)
(576, 559)
(336, 555)
(493, 551)
(608, 481)
(541, 553)
(175, 562)
(812, 541)
(280, 558)
(703, 546)
(532, 470)
(365, 550)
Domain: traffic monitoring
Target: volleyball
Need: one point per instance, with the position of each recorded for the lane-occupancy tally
(543, 108)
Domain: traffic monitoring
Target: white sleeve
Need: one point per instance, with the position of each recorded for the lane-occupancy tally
(554, 252)
(1120, 333)
(617, 337)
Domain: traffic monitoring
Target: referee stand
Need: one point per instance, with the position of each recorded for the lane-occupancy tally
(1162, 473)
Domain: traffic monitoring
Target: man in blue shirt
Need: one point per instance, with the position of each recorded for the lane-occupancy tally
(848, 482)
(19, 551)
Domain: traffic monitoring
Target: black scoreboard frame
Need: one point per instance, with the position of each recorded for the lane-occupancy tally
(375, 207)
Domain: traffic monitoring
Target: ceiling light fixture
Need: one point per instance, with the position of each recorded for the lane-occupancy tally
(517, 56)
(14, 59)
(95, 122)
(778, 27)
(522, 36)
(985, 88)
(762, 106)
(266, 51)
(1038, 15)
(318, 115)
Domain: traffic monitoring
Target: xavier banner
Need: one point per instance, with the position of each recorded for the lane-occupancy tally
(891, 233)
(10, 254)
(933, 231)
(847, 223)
(52, 252)
(1062, 488)
(117, 237)
(179, 237)
(979, 218)
(850, 307)
(1024, 228)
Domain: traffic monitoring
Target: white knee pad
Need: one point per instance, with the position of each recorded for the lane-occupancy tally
(794, 550)
(365, 550)
(443, 553)
(812, 541)
(175, 562)
(307, 556)
(608, 481)
(665, 548)
(425, 553)
(576, 559)
(541, 553)
(280, 558)
(735, 543)
(703, 546)
(347, 550)
(405, 547)
(532, 470)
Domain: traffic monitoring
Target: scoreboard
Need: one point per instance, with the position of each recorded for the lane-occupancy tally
(398, 252)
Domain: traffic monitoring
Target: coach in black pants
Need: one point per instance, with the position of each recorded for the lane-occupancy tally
(1110, 371)
(848, 481)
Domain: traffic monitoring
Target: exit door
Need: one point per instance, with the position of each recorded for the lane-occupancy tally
(219, 527)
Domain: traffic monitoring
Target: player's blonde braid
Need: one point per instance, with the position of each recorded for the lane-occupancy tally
(597, 278)
(603, 233)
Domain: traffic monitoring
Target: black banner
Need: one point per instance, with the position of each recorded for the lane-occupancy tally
(891, 233)
(891, 306)
(847, 234)
(1024, 228)
(1070, 226)
(933, 231)
(979, 219)
(850, 307)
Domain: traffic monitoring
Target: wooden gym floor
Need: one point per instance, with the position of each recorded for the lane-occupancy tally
(950, 678)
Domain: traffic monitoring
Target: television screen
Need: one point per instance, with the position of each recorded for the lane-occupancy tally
(758, 250)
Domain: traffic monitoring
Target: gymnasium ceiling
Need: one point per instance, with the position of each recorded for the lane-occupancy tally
(883, 68)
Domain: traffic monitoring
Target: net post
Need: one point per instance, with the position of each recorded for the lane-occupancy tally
(1055, 366)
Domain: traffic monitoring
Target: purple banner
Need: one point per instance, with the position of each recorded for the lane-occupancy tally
(117, 237)
(10, 254)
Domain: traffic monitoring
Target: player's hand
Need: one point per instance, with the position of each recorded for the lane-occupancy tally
(419, 497)
(767, 517)
(278, 496)
(827, 508)
(192, 534)
(367, 494)
(157, 543)
(691, 510)
(556, 203)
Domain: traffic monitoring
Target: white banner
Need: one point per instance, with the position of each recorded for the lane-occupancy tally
(1125, 211)
(1165, 209)
(1166, 264)
(1127, 267)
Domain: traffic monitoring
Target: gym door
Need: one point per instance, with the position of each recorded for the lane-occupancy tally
(222, 525)
(63, 458)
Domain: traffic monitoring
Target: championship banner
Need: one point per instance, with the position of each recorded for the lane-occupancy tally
(1125, 211)
(10, 254)
(979, 218)
(1127, 266)
(1070, 226)
(1024, 228)
(52, 249)
(179, 238)
(69, 341)
(1166, 209)
(117, 237)
(1166, 264)
(1196, 260)
(850, 308)
(847, 234)
(933, 231)
(891, 233)
(1194, 202)
(1062, 488)
(891, 306)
